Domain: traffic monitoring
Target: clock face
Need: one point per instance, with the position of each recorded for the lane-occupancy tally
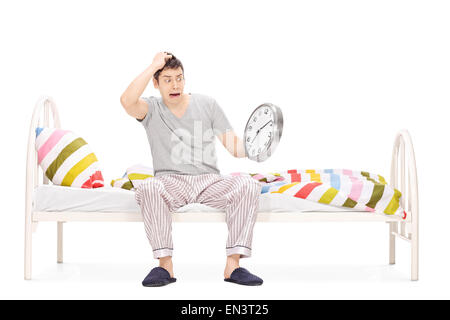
(263, 132)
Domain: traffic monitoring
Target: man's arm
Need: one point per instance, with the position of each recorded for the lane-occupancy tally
(233, 144)
(131, 99)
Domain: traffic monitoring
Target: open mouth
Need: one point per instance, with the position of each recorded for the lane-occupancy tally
(174, 95)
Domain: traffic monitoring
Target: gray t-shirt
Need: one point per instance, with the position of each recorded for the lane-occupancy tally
(184, 145)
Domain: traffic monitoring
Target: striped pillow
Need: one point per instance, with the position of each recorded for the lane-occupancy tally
(138, 173)
(67, 159)
(123, 183)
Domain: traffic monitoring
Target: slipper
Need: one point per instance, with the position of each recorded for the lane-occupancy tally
(244, 277)
(158, 277)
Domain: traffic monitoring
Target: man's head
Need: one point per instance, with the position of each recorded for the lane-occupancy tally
(170, 80)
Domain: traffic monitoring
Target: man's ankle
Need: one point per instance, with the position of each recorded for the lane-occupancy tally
(166, 263)
(233, 260)
(231, 265)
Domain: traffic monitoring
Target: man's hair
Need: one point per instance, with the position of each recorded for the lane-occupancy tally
(172, 63)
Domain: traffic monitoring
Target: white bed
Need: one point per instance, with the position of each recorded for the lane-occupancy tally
(52, 198)
(56, 203)
(46, 202)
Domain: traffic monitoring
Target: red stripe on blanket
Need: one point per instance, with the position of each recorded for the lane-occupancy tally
(296, 177)
(306, 190)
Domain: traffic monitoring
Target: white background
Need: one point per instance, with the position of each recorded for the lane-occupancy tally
(347, 74)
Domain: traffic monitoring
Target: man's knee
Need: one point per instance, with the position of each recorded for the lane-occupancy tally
(147, 187)
(249, 185)
(151, 185)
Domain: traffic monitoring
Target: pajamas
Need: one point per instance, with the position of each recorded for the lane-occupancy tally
(159, 196)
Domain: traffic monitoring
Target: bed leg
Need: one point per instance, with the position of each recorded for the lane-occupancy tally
(28, 246)
(392, 228)
(60, 242)
(415, 252)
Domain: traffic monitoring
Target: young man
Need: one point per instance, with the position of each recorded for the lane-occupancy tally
(181, 129)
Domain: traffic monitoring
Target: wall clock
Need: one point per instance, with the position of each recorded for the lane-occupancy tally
(263, 132)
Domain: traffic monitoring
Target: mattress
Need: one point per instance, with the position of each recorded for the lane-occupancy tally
(51, 198)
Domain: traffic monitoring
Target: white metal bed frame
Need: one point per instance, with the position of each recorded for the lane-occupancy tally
(405, 229)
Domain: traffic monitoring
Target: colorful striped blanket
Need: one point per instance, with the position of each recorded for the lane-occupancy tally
(358, 190)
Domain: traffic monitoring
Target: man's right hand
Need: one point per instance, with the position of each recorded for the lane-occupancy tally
(130, 99)
(160, 60)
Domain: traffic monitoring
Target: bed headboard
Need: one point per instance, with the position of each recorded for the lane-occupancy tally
(41, 118)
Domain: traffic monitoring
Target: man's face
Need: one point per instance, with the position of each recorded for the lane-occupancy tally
(171, 84)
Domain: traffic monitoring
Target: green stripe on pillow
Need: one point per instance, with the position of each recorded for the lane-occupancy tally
(63, 155)
(127, 185)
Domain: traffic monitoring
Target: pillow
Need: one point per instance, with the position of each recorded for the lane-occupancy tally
(133, 177)
(123, 183)
(138, 173)
(67, 159)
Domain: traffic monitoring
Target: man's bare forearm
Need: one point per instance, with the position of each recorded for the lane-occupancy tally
(233, 144)
(137, 87)
(238, 147)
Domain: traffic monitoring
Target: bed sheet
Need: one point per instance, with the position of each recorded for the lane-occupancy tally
(53, 198)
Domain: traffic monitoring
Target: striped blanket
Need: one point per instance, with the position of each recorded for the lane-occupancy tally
(358, 190)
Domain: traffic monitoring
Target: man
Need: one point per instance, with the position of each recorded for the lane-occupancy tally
(181, 129)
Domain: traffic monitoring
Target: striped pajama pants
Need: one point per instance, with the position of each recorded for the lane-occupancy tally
(159, 196)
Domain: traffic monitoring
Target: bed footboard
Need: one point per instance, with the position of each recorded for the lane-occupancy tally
(404, 178)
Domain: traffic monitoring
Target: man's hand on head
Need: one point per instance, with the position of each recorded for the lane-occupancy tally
(160, 60)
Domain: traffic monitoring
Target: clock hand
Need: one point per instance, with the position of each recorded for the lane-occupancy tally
(257, 132)
(264, 125)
